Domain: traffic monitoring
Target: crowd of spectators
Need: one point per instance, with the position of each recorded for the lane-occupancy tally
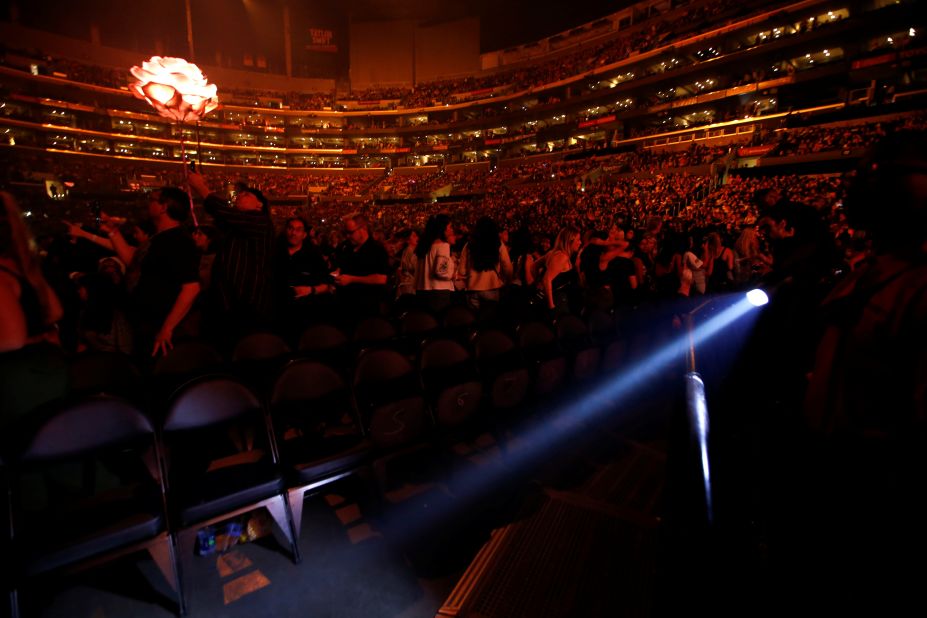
(811, 140)
(657, 215)
(87, 175)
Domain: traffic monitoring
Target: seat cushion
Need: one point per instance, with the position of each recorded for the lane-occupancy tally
(223, 490)
(61, 536)
(330, 463)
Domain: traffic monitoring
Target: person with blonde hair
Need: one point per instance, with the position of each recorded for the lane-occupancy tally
(555, 274)
(32, 369)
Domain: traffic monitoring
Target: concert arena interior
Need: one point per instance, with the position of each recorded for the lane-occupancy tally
(408, 309)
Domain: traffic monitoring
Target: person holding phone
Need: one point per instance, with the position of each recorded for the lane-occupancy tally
(362, 268)
(303, 291)
(241, 292)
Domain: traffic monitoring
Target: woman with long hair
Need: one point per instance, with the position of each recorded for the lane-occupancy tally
(435, 268)
(485, 265)
(555, 274)
(32, 369)
(750, 259)
(719, 263)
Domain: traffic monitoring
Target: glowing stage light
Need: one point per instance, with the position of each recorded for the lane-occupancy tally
(757, 297)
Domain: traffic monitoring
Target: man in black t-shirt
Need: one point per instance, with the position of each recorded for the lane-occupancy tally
(362, 268)
(302, 279)
(169, 278)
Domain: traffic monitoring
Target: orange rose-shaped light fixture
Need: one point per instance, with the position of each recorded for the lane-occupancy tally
(176, 88)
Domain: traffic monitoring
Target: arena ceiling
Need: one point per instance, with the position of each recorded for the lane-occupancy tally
(503, 22)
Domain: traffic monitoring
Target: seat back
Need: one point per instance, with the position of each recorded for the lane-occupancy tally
(601, 327)
(536, 338)
(103, 372)
(189, 359)
(388, 398)
(310, 404)
(209, 401)
(539, 346)
(215, 427)
(491, 344)
(322, 338)
(458, 316)
(376, 367)
(573, 335)
(504, 374)
(414, 327)
(84, 427)
(459, 322)
(305, 380)
(441, 353)
(451, 381)
(417, 323)
(373, 331)
(84, 485)
(445, 362)
(260, 347)
(572, 332)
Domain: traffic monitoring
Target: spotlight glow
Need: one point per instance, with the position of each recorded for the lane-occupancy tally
(757, 297)
(571, 420)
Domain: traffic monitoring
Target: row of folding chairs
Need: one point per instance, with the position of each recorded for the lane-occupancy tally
(221, 450)
(516, 368)
(224, 447)
(114, 483)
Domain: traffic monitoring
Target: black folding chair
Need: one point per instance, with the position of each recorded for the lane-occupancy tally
(257, 359)
(113, 373)
(187, 361)
(573, 335)
(374, 332)
(319, 437)
(459, 322)
(539, 347)
(221, 459)
(502, 370)
(388, 399)
(326, 343)
(414, 327)
(106, 449)
(450, 381)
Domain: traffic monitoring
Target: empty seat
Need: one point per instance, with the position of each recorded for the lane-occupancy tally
(319, 438)
(188, 360)
(459, 322)
(373, 332)
(322, 338)
(257, 358)
(104, 451)
(451, 382)
(574, 339)
(388, 399)
(222, 459)
(414, 327)
(502, 369)
(258, 347)
(94, 373)
(539, 346)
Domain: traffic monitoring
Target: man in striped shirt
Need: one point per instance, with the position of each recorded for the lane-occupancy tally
(241, 290)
